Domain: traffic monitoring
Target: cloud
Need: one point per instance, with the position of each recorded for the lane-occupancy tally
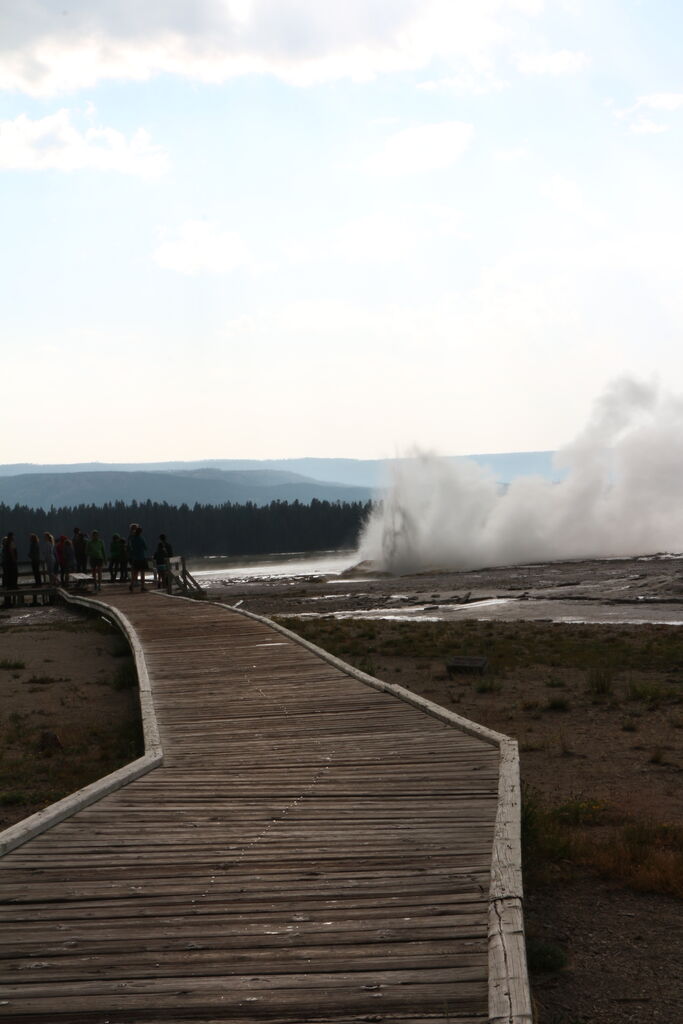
(382, 237)
(54, 142)
(519, 328)
(661, 102)
(511, 155)
(377, 238)
(566, 195)
(46, 49)
(445, 220)
(202, 248)
(562, 62)
(469, 82)
(644, 126)
(422, 148)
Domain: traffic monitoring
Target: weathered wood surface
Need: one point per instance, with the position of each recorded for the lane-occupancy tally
(310, 850)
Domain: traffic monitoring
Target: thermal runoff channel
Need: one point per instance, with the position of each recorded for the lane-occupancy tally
(621, 494)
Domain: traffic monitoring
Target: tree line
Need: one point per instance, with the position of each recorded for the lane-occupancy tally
(196, 530)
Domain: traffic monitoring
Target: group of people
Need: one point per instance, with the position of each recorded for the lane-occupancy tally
(55, 561)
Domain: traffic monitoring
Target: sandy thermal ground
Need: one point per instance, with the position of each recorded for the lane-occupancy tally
(641, 589)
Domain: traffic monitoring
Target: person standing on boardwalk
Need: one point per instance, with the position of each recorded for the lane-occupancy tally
(137, 553)
(66, 559)
(61, 560)
(129, 551)
(79, 542)
(163, 552)
(10, 568)
(48, 557)
(97, 558)
(123, 559)
(116, 554)
(34, 558)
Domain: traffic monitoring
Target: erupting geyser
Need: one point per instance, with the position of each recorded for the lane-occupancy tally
(622, 495)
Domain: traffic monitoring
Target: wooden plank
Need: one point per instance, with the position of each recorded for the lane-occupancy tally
(444, 998)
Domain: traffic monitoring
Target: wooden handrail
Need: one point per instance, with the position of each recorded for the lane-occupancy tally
(179, 579)
(178, 573)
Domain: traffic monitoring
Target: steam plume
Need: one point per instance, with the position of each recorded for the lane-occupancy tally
(622, 495)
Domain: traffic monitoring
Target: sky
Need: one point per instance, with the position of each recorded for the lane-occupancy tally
(278, 228)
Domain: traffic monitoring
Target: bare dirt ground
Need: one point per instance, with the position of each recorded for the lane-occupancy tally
(586, 671)
(69, 712)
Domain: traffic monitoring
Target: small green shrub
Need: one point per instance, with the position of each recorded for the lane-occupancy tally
(651, 694)
(580, 811)
(489, 686)
(12, 798)
(544, 957)
(600, 682)
(544, 838)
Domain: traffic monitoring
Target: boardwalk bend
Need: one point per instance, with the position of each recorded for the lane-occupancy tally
(299, 843)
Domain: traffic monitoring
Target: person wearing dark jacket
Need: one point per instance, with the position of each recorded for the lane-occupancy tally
(10, 567)
(79, 542)
(62, 556)
(117, 550)
(34, 558)
(137, 555)
(163, 552)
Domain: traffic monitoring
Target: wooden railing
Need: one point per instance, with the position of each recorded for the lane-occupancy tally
(180, 577)
(177, 578)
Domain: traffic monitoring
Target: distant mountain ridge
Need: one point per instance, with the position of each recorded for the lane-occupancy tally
(217, 481)
(202, 486)
(373, 473)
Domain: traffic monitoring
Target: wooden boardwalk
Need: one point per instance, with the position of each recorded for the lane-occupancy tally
(311, 849)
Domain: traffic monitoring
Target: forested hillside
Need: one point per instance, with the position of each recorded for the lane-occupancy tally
(227, 529)
(206, 486)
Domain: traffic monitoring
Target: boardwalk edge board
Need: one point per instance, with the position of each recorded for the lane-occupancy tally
(20, 833)
(41, 821)
(149, 719)
(509, 993)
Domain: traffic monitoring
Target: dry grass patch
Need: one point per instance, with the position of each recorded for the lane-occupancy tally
(644, 855)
